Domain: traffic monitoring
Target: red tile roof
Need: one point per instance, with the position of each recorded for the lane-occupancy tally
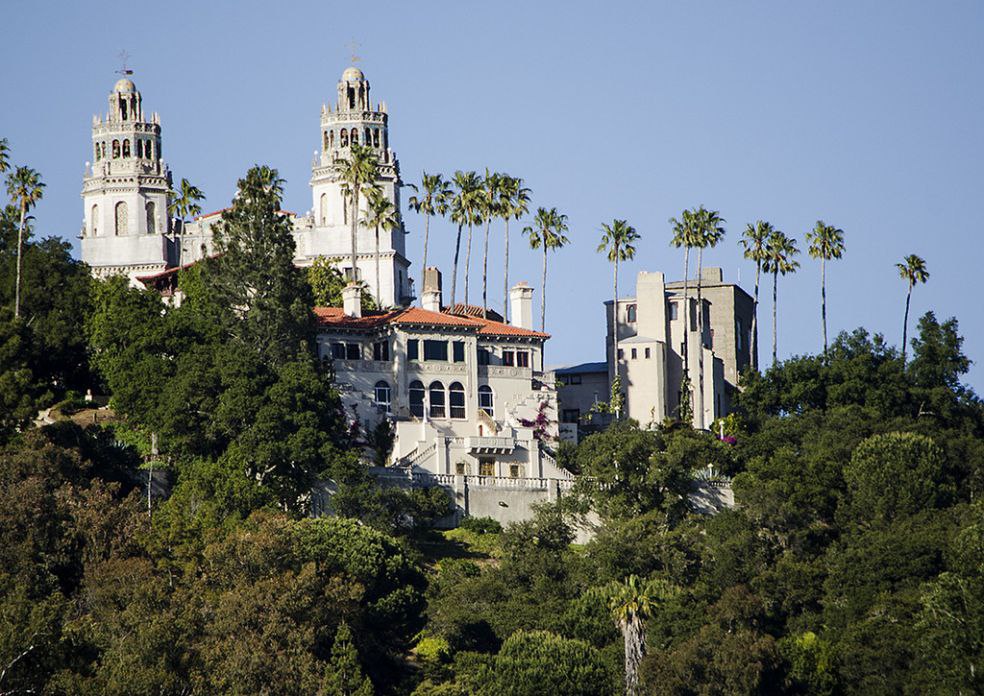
(335, 317)
(469, 310)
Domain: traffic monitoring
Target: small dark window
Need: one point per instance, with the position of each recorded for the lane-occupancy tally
(352, 351)
(381, 350)
(436, 400)
(674, 311)
(570, 415)
(382, 395)
(417, 399)
(338, 351)
(457, 394)
(621, 353)
(522, 358)
(483, 356)
(647, 354)
(634, 354)
(458, 351)
(575, 379)
(515, 471)
(436, 350)
(508, 358)
(630, 313)
(413, 349)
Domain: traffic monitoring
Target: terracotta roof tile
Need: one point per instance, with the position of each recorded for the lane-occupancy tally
(335, 317)
(469, 310)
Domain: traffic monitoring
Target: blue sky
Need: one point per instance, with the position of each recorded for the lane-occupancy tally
(865, 114)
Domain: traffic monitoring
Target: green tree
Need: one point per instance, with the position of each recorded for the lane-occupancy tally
(327, 283)
(436, 198)
(686, 234)
(618, 241)
(754, 241)
(826, 242)
(515, 203)
(380, 213)
(493, 188)
(780, 253)
(344, 676)
(357, 172)
(183, 204)
(4, 155)
(539, 662)
(25, 189)
(466, 209)
(710, 232)
(913, 271)
(547, 233)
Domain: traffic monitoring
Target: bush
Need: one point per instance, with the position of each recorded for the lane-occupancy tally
(481, 525)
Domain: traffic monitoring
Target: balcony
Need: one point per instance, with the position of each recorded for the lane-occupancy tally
(490, 445)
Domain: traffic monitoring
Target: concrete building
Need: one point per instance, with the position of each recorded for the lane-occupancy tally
(125, 191)
(646, 334)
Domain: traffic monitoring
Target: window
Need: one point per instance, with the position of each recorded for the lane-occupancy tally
(515, 471)
(116, 149)
(354, 136)
(338, 351)
(570, 415)
(458, 351)
(634, 356)
(343, 137)
(417, 399)
(324, 208)
(483, 356)
(383, 395)
(413, 349)
(522, 358)
(375, 138)
(486, 400)
(571, 379)
(630, 313)
(381, 350)
(436, 400)
(352, 351)
(486, 467)
(739, 335)
(508, 358)
(126, 148)
(457, 400)
(436, 350)
(674, 311)
(151, 218)
(621, 353)
(647, 354)
(121, 218)
(461, 468)
(95, 220)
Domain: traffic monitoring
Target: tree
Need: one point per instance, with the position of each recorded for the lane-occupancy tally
(327, 283)
(380, 213)
(466, 209)
(25, 189)
(686, 233)
(547, 233)
(710, 233)
(754, 240)
(359, 171)
(491, 195)
(515, 204)
(344, 676)
(4, 155)
(436, 198)
(185, 203)
(541, 662)
(618, 241)
(780, 253)
(912, 270)
(826, 243)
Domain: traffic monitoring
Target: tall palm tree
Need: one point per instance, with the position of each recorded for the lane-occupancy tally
(435, 198)
(491, 197)
(780, 253)
(754, 240)
(631, 603)
(25, 189)
(515, 204)
(464, 211)
(826, 243)
(912, 270)
(686, 231)
(380, 213)
(547, 232)
(617, 240)
(183, 204)
(4, 155)
(710, 232)
(359, 171)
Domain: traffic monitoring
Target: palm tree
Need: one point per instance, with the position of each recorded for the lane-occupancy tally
(754, 240)
(617, 240)
(912, 270)
(710, 232)
(515, 204)
(359, 171)
(436, 198)
(826, 243)
(25, 189)
(779, 250)
(685, 234)
(4, 155)
(183, 205)
(547, 232)
(631, 602)
(491, 197)
(464, 211)
(380, 213)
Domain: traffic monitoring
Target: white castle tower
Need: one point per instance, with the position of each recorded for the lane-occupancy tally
(354, 120)
(125, 190)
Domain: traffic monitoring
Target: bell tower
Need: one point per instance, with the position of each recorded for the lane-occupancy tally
(353, 119)
(125, 190)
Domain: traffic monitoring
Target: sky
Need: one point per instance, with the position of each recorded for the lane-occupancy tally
(867, 115)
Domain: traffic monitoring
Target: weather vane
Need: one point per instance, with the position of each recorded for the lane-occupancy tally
(353, 46)
(124, 57)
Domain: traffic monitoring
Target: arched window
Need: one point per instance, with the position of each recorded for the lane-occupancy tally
(343, 137)
(368, 140)
(102, 149)
(456, 392)
(630, 314)
(436, 400)
(486, 400)
(97, 152)
(150, 149)
(324, 140)
(324, 209)
(126, 148)
(417, 399)
(354, 136)
(123, 109)
(382, 395)
(95, 220)
(331, 139)
(121, 218)
(375, 137)
(151, 218)
(138, 144)
(116, 149)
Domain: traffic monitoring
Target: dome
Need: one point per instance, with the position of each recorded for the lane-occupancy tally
(125, 85)
(352, 74)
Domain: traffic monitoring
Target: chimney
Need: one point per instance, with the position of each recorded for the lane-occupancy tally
(431, 300)
(352, 300)
(432, 279)
(521, 305)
